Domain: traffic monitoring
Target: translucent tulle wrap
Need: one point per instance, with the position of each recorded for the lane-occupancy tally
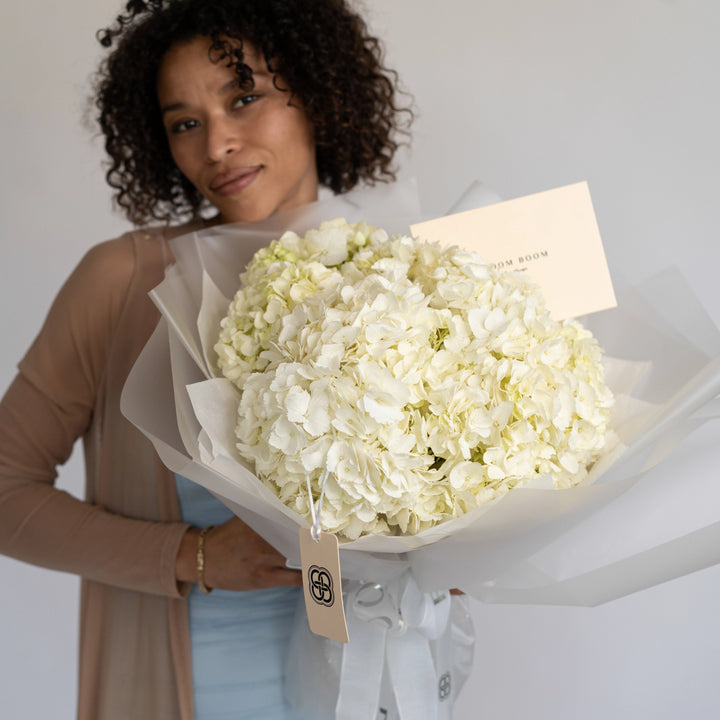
(649, 511)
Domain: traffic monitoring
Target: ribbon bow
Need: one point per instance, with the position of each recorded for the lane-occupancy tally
(400, 653)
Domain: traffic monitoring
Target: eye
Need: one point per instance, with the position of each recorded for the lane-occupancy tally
(183, 126)
(243, 100)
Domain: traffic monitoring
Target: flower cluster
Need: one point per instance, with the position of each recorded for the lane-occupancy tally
(424, 382)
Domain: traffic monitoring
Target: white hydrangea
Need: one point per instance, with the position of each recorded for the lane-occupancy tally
(426, 383)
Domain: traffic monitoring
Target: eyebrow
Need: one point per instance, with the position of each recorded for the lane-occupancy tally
(229, 86)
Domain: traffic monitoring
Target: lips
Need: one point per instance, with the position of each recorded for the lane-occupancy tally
(231, 181)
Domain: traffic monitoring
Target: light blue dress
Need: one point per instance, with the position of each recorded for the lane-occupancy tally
(239, 639)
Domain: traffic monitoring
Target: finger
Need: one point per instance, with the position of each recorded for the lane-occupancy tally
(284, 576)
(271, 557)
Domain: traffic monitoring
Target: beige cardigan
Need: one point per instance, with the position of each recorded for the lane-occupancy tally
(123, 540)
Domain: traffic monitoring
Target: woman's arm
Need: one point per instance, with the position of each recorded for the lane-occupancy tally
(50, 404)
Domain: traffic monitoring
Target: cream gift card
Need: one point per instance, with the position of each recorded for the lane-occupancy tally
(552, 236)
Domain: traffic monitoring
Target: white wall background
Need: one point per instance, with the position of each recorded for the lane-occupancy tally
(526, 95)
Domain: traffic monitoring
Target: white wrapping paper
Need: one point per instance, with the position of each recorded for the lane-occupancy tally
(582, 546)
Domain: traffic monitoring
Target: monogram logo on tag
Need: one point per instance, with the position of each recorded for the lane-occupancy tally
(445, 686)
(321, 586)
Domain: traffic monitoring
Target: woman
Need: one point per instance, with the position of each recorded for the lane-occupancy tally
(228, 111)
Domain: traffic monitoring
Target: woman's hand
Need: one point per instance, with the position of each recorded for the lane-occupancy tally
(236, 558)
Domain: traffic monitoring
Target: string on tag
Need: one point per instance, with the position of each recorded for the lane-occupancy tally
(315, 529)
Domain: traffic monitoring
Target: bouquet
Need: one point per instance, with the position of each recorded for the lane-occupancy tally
(495, 545)
(425, 383)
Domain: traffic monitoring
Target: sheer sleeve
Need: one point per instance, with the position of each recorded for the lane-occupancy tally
(58, 396)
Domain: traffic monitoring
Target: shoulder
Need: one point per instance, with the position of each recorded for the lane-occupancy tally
(107, 291)
(135, 260)
(117, 260)
(111, 276)
(111, 263)
(101, 281)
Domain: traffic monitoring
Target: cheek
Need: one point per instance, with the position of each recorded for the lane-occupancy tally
(303, 148)
(175, 151)
(306, 135)
(290, 130)
(184, 157)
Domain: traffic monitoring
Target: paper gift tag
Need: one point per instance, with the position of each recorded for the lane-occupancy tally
(552, 235)
(322, 585)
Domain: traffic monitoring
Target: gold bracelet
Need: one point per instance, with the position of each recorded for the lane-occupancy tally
(201, 560)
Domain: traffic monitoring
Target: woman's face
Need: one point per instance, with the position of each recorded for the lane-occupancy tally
(249, 153)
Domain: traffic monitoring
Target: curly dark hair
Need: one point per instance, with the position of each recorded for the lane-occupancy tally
(320, 48)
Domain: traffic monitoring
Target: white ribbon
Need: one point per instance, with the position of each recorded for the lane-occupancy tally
(393, 625)
(315, 530)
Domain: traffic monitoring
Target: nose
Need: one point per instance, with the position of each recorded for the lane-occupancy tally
(222, 138)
